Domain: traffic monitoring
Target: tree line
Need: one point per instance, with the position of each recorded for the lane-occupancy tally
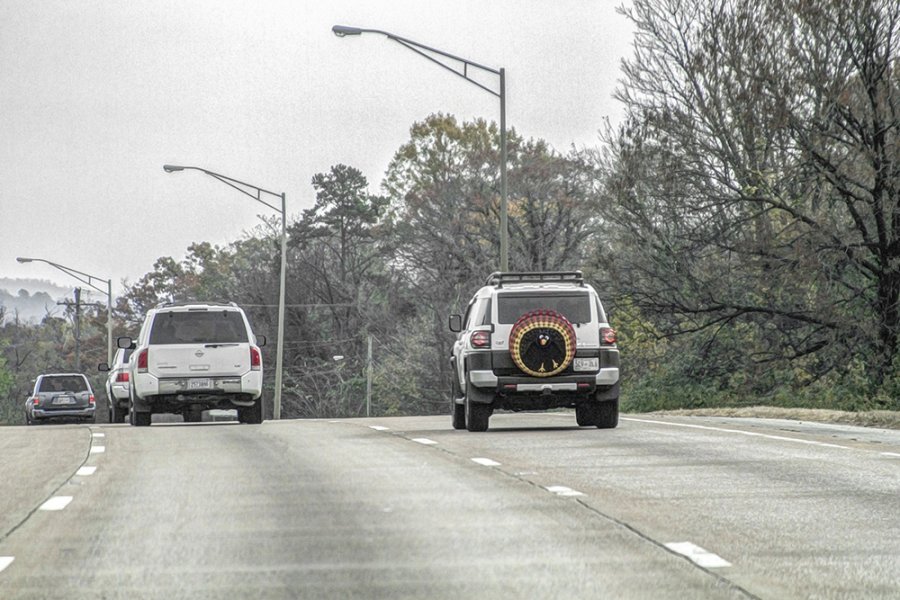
(742, 225)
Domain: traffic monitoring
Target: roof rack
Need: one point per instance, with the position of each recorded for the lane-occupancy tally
(498, 278)
(192, 302)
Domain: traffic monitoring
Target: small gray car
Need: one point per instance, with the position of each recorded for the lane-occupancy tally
(60, 395)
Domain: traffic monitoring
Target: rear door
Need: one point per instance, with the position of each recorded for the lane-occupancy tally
(64, 392)
(204, 342)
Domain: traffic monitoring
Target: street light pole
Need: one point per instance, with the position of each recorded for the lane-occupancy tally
(421, 49)
(279, 351)
(87, 280)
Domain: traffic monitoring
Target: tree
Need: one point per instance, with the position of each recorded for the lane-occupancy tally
(754, 187)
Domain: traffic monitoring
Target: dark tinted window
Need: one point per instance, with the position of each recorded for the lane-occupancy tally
(126, 354)
(575, 307)
(63, 383)
(198, 327)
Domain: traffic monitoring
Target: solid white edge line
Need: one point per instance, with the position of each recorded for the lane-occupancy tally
(698, 555)
(5, 561)
(780, 438)
(56, 503)
(486, 462)
(98, 449)
(425, 441)
(85, 471)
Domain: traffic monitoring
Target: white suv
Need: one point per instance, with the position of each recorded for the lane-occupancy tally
(191, 357)
(534, 341)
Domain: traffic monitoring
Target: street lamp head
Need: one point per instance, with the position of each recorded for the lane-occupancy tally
(22, 259)
(172, 168)
(343, 30)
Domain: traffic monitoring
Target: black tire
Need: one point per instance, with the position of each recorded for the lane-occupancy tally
(116, 413)
(193, 416)
(477, 408)
(587, 414)
(252, 415)
(141, 419)
(457, 410)
(608, 414)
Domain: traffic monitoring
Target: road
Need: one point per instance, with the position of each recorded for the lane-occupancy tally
(408, 508)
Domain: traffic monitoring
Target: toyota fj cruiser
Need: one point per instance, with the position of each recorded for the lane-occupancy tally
(191, 357)
(534, 341)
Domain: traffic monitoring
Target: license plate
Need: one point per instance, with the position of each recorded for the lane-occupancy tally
(586, 364)
(199, 384)
(64, 400)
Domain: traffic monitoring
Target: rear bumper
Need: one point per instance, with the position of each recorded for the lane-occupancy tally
(564, 383)
(40, 413)
(120, 392)
(250, 384)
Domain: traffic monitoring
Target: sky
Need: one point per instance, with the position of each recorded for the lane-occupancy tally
(95, 96)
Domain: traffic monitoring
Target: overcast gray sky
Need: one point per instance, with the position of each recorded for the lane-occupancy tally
(95, 96)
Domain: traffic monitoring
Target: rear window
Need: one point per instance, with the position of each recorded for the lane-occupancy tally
(206, 327)
(575, 307)
(63, 383)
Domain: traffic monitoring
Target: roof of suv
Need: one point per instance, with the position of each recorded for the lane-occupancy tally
(196, 304)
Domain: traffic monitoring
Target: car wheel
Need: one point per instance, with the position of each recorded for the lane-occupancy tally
(116, 413)
(251, 414)
(193, 416)
(586, 414)
(608, 414)
(477, 408)
(141, 419)
(457, 409)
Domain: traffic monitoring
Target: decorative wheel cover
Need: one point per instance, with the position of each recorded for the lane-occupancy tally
(542, 343)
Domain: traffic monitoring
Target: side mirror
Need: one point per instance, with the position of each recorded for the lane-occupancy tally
(260, 340)
(126, 343)
(455, 323)
(103, 367)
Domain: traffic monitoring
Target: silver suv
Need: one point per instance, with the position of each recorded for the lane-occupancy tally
(534, 341)
(196, 356)
(58, 395)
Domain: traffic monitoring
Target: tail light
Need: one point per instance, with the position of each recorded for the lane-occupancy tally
(255, 359)
(36, 400)
(142, 360)
(607, 336)
(122, 377)
(91, 400)
(481, 339)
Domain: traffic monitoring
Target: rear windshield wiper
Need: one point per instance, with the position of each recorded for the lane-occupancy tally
(220, 345)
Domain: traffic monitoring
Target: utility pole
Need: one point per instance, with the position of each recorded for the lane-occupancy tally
(77, 305)
(369, 378)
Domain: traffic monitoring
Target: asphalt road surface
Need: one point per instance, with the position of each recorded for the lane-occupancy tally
(409, 508)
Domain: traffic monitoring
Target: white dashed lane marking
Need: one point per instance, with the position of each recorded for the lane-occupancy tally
(56, 503)
(780, 438)
(98, 449)
(561, 490)
(425, 441)
(698, 555)
(5, 561)
(894, 454)
(98, 435)
(85, 471)
(486, 462)
(378, 427)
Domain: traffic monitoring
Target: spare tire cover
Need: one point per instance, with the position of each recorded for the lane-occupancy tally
(542, 343)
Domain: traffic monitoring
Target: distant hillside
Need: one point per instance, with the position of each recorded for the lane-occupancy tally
(31, 297)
